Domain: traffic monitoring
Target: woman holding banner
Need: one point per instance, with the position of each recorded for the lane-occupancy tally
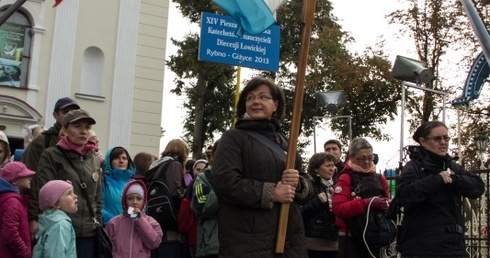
(251, 180)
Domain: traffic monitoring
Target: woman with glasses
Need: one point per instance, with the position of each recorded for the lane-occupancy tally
(251, 180)
(358, 190)
(430, 189)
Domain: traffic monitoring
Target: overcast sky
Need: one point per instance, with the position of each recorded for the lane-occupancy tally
(364, 20)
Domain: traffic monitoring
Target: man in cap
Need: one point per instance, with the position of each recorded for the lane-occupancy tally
(47, 139)
(50, 137)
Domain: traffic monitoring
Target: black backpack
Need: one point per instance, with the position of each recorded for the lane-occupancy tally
(379, 231)
(161, 205)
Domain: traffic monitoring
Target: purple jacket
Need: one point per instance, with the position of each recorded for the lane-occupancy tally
(15, 239)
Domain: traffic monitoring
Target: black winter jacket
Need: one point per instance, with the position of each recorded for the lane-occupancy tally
(245, 173)
(432, 222)
(319, 220)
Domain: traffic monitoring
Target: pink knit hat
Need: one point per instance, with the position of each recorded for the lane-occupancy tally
(15, 170)
(51, 192)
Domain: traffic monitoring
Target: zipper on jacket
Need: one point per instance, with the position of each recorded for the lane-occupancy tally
(131, 238)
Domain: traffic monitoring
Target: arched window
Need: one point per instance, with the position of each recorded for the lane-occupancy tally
(92, 71)
(15, 50)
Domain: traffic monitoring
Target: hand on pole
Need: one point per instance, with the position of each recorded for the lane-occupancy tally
(290, 177)
(283, 193)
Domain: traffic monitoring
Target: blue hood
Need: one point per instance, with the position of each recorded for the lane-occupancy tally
(7, 187)
(118, 173)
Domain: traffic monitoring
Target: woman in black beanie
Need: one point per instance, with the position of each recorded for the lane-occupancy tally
(430, 189)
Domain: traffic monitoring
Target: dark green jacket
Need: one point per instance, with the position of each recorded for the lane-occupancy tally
(54, 165)
(206, 207)
(33, 152)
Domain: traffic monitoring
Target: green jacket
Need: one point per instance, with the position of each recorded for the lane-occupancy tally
(54, 165)
(56, 237)
(206, 206)
(33, 152)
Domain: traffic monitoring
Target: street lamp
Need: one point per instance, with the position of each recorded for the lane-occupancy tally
(481, 142)
(331, 101)
(413, 73)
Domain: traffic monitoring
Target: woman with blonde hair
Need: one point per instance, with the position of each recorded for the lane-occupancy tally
(73, 159)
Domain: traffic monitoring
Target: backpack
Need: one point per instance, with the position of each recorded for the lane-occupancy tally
(160, 204)
(372, 228)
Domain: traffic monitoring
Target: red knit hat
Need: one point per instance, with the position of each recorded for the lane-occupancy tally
(15, 170)
(51, 192)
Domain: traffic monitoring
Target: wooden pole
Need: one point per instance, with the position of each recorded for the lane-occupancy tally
(307, 21)
(237, 89)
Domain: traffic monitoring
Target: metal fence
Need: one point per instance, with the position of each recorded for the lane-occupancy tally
(477, 221)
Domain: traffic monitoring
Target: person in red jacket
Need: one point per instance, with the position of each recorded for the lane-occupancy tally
(347, 202)
(15, 239)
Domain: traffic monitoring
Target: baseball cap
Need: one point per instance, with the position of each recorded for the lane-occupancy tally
(15, 170)
(64, 103)
(75, 115)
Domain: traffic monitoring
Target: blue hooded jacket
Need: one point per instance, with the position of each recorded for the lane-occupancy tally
(7, 187)
(112, 189)
(56, 236)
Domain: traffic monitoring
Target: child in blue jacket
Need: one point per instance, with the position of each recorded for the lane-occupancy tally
(56, 236)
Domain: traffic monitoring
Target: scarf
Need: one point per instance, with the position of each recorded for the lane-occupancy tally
(357, 168)
(328, 184)
(65, 144)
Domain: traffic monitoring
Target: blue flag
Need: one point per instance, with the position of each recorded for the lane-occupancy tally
(253, 16)
(478, 27)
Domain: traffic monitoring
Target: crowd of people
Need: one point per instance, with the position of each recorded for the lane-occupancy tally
(228, 203)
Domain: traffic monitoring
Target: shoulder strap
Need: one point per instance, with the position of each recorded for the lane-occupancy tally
(155, 173)
(82, 185)
(47, 140)
(269, 143)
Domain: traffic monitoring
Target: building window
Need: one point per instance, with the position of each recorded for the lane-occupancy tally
(92, 71)
(15, 50)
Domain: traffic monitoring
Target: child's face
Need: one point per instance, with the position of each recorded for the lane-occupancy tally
(199, 168)
(68, 201)
(134, 200)
(23, 183)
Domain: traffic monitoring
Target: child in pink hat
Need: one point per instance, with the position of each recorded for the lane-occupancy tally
(15, 240)
(56, 236)
(133, 233)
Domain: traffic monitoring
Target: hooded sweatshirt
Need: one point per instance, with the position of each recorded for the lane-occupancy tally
(133, 238)
(112, 189)
(4, 141)
(55, 236)
(15, 240)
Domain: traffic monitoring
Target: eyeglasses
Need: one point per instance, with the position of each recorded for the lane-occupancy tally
(363, 159)
(261, 98)
(440, 138)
